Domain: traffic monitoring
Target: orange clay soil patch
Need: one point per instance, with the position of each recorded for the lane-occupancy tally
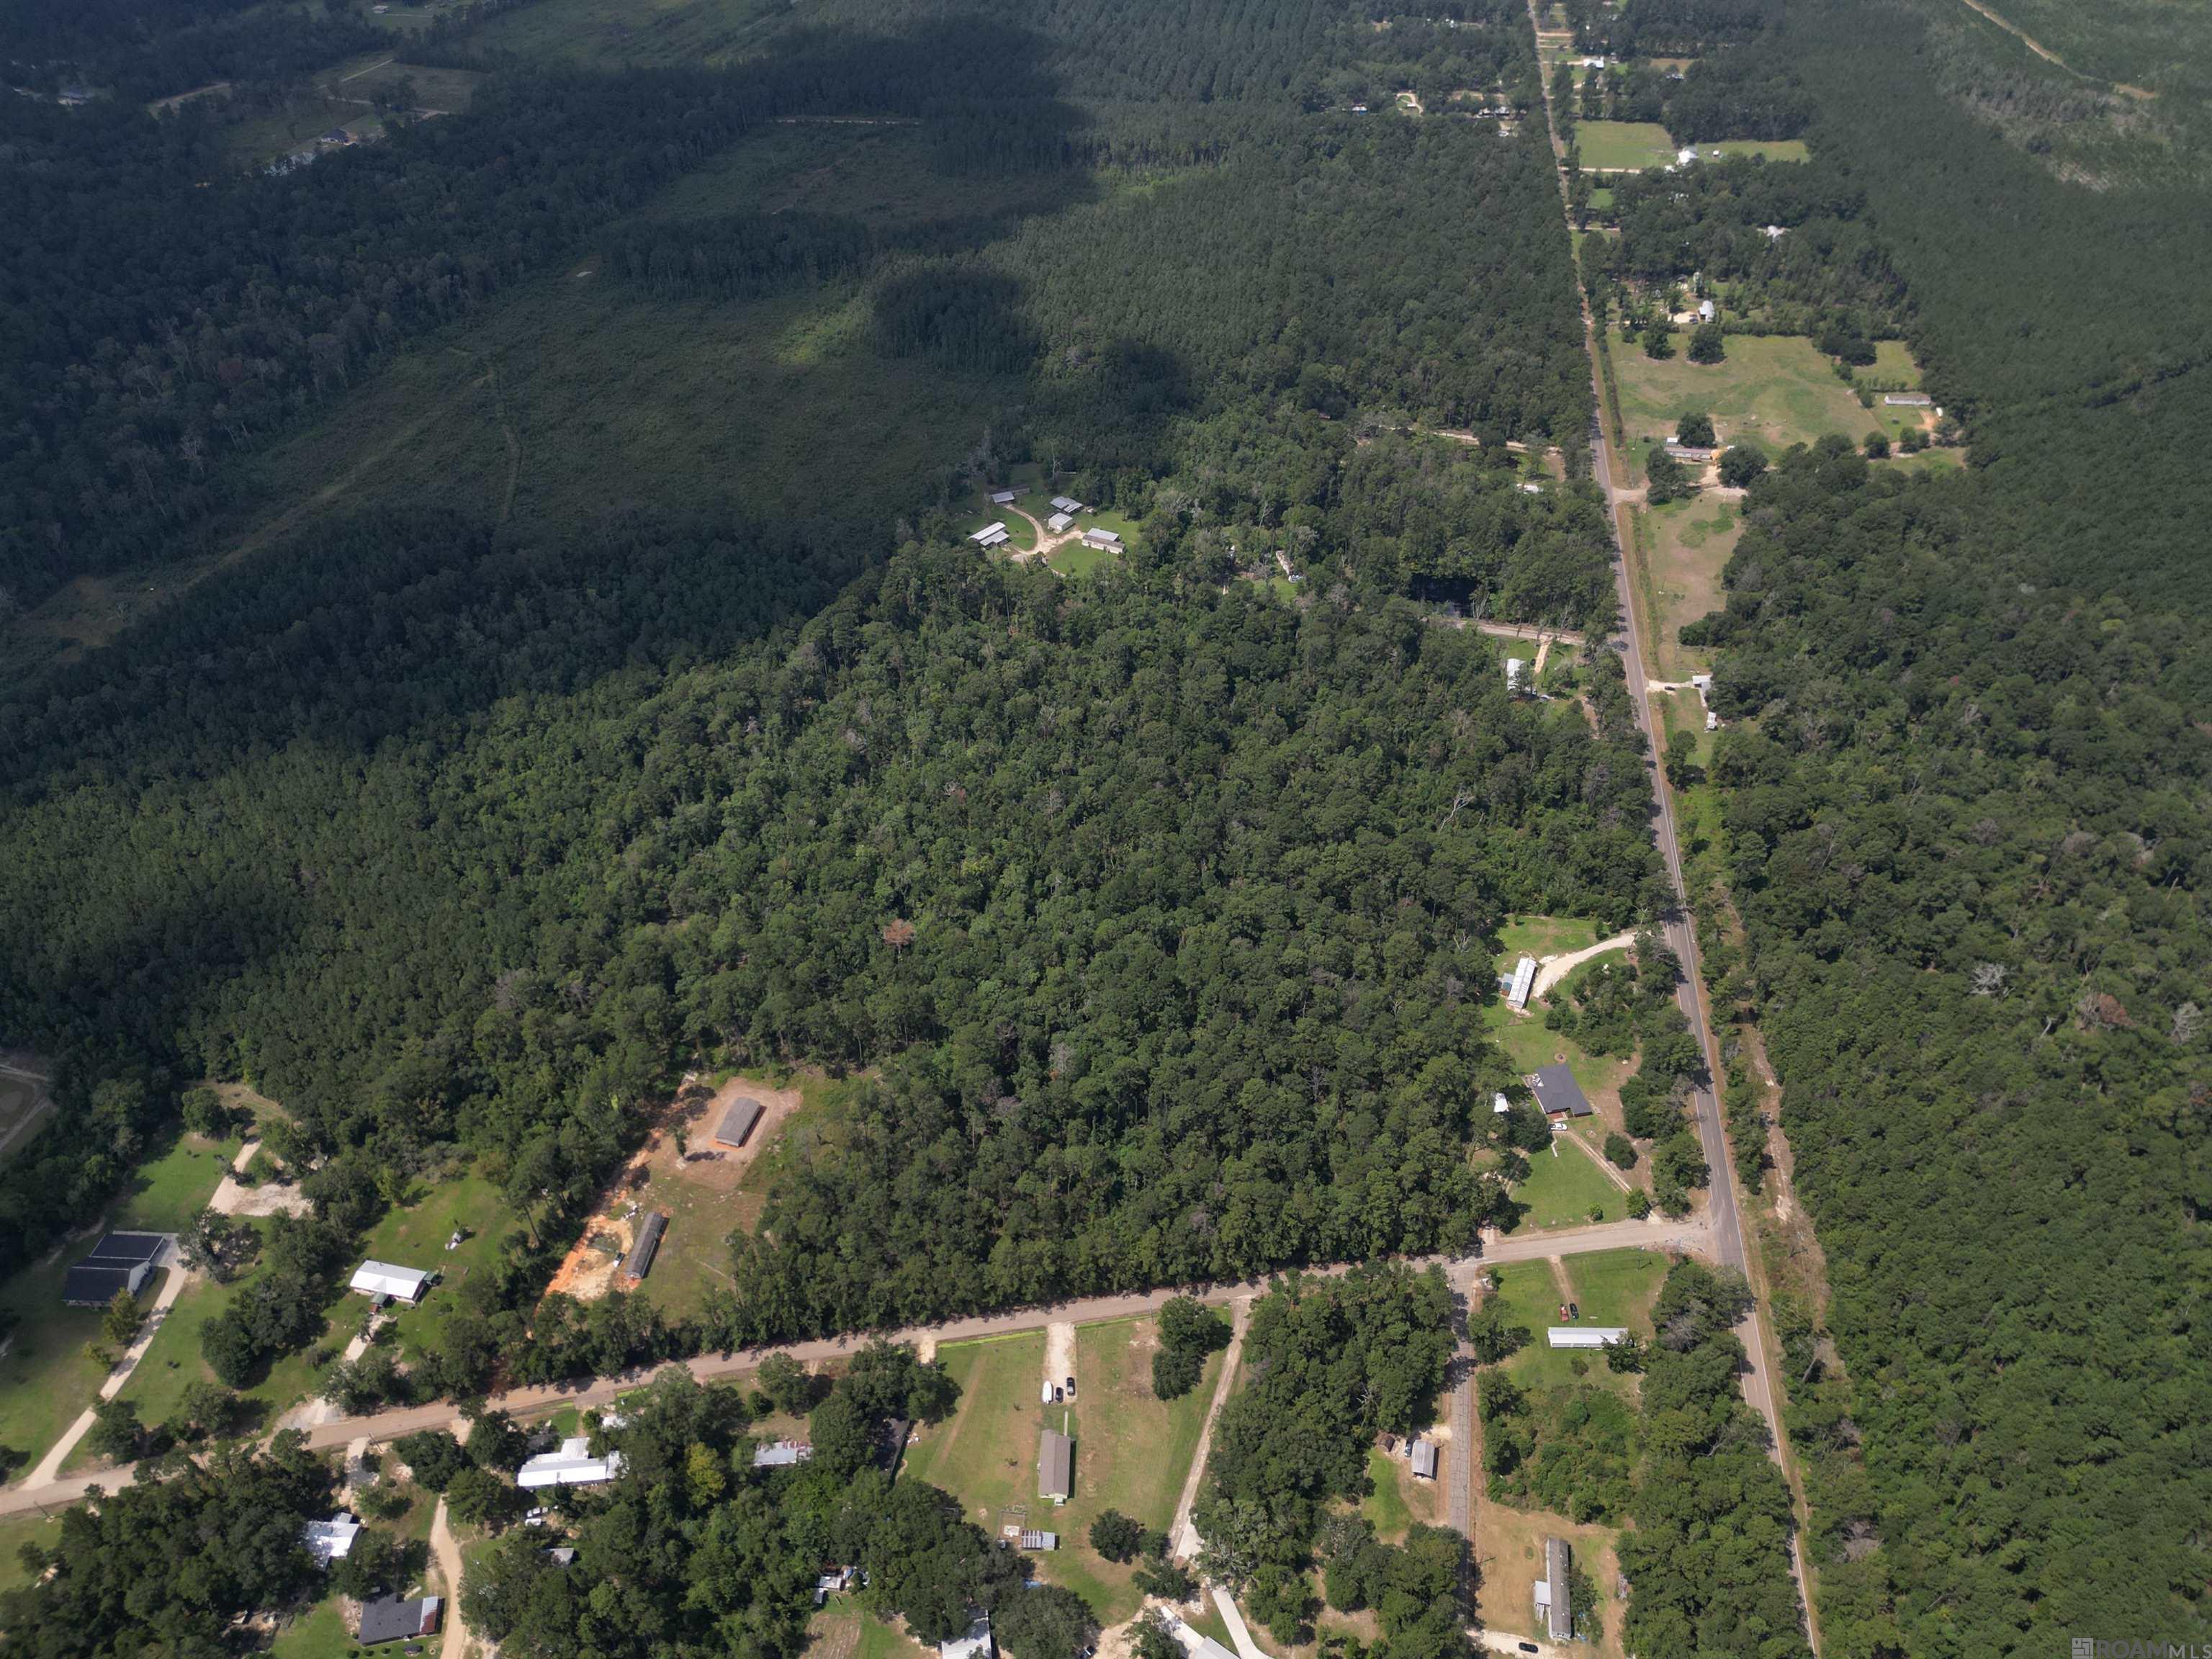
(590, 1269)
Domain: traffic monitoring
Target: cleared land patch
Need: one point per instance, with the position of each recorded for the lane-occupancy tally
(1775, 389)
(1132, 1451)
(1622, 145)
(1681, 548)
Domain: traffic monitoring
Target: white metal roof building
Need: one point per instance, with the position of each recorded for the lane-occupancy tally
(1424, 1459)
(1067, 503)
(1059, 522)
(1516, 668)
(1520, 982)
(572, 1466)
(1002, 498)
(382, 1278)
(333, 1539)
(991, 533)
(781, 1455)
(976, 1644)
(1098, 537)
(1584, 1336)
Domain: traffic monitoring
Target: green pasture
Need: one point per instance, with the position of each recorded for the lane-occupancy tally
(1622, 145)
(1774, 389)
(1564, 1188)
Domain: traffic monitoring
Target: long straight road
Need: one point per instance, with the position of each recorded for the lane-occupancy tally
(1724, 1210)
(1690, 1237)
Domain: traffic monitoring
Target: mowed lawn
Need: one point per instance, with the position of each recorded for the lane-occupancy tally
(1543, 936)
(1132, 1451)
(45, 1377)
(1531, 1296)
(1778, 391)
(1617, 1287)
(1564, 1188)
(1530, 1046)
(17, 1531)
(1609, 146)
(1399, 1499)
(1682, 547)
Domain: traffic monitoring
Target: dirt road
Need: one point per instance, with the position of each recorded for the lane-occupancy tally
(1552, 969)
(1689, 1237)
(1182, 1535)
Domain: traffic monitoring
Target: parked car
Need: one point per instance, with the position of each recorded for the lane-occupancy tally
(1530, 1646)
(1071, 1387)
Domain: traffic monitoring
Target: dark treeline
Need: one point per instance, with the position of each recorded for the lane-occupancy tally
(136, 51)
(1970, 859)
(1966, 829)
(1667, 29)
(168, 310)
(1746, 93)
(1827, 268)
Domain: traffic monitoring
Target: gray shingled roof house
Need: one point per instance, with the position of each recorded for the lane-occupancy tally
(388, 1619)
(1559, 1095)
(1056, 1467)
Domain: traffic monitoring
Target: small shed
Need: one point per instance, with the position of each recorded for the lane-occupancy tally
(383, 1278)
(120, 1262)
(1499, 1104)
(1424, 1459)
(1584, 1336)
(1055, 1466)
(389, 1619)
(1059, 523)
(1558, 1094)
(639, 1261)
(738, 1123)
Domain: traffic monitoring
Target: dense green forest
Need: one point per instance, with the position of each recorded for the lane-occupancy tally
(1964, 823)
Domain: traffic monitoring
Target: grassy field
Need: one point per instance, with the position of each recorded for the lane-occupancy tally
(45, 1378)
(1617, 1287)
(694, 1252)
(1531, 1296)
(1530, 1046)
(1542, 936)
(1615, 146)
(1600, 199)
(1400, 1499)
(1510, 1551)
(1777, 390)
(1894, 367)
(1132, 1451)
(1681, 547)
(1774, 149)
(1565, 1190)
(14, 1532)
(318, 1633)
(415, 1237)
(1021, 534)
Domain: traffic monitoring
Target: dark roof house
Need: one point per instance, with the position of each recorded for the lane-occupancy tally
(388, 1619)
(1558, 1094)
(738, 1123)
(120, 1262)
(639, 1261)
